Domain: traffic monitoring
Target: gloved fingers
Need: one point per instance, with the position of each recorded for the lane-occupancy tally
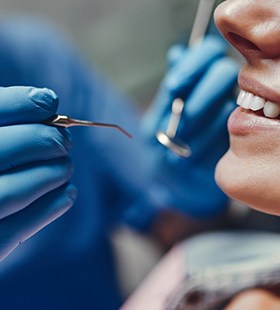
(22, 225)
(21, 186)
(191, 67)
(180, 79)
(20, 104)
(175, 54)
(208, 97)
(211, 143)
(24, 144)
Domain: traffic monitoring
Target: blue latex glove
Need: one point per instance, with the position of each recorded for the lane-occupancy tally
(34, 168)
(204, 78)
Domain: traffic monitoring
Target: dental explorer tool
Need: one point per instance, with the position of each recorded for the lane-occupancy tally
(66, 121)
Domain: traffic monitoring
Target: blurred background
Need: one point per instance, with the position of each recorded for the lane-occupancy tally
(126, 39)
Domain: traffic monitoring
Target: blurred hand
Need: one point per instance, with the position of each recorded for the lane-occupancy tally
(34, 168)
(205, 79)
(254, 300)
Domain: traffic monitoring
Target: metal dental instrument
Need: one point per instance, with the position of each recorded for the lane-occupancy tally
(168, 139)
(201, 22)
(65, 121)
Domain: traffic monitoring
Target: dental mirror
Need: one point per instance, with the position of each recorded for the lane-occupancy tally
(168, 139)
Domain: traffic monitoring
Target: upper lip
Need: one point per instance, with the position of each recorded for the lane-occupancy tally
(258, 89)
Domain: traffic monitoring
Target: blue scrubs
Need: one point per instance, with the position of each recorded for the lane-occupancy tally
(69, 264)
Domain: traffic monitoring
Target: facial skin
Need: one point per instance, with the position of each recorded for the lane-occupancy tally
(250, 170)
(255, 299)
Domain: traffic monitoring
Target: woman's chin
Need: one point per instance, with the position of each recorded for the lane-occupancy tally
(249, 183)
(226, 175)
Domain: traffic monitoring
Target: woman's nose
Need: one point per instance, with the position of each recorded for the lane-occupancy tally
(251, 26)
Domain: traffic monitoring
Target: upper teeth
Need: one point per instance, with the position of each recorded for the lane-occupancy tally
(249, 101)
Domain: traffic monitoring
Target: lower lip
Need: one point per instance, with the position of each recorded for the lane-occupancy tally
(243, 122)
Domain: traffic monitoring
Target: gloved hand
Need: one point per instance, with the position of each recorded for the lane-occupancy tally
(204, 78)
(34, 168)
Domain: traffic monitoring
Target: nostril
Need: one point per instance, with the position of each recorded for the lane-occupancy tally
(242, 43)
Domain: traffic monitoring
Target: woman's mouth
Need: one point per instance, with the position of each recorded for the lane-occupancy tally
(254, 115)
(249, 101)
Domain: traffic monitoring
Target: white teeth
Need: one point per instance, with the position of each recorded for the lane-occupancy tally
(249, 101)
(257, 103)
(271, 109)
(241, 99)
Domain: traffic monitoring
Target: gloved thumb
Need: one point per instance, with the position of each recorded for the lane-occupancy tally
(20, 104)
